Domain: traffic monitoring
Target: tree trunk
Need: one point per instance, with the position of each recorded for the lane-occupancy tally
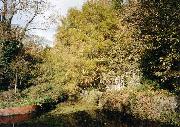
(4, 11)
(16, 81)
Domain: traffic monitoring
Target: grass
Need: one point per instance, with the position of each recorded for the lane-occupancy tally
(70, 107)
(86, 102)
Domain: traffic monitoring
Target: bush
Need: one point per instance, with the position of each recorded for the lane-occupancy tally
(144, 103)
(18, 99)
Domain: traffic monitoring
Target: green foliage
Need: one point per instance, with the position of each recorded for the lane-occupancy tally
(19, 99)
(11, 99)
(117, 4)
(160, 30)
(26, 65)
(94, 46)
(18, 63)
(8, 50)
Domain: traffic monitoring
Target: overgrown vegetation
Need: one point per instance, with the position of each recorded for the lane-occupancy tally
(143, 102)
(131, 45)
(160, 30)
(94, 46)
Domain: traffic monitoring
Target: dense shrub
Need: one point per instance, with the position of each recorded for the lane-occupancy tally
(18, 99)
(143, 102)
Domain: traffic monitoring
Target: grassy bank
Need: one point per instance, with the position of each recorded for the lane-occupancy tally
(10, 99)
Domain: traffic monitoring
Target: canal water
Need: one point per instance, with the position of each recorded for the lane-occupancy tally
(78, 119)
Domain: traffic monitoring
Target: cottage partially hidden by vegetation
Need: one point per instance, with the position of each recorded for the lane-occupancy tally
(112, 55)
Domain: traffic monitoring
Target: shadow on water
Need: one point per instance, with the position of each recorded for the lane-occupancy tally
(15, 119)
(84, 119)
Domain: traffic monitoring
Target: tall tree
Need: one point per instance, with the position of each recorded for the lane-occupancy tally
(96, 46)
(17, 17)
(160, 30)
(11, 10)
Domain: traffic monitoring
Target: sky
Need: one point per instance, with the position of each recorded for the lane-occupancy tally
(58, 6)
(61, 6)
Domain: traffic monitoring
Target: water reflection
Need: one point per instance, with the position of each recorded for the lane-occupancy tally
(10, 121)
(78, 119)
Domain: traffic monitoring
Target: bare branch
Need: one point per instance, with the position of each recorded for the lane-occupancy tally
(29, 8)
(12, 11)
(28, 23)
(5, 11)
(34, 28)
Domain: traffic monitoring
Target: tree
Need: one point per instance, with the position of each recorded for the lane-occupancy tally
(96, 45)
(8, 50)
(159, 25)
(24, 67)
(10, 10)
(19, 63)
(14, 56)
